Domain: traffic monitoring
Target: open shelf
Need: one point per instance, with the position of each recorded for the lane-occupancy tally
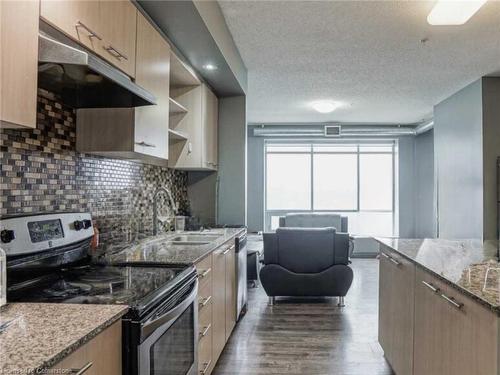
(176, 136)
(176, 108)
(181, 75)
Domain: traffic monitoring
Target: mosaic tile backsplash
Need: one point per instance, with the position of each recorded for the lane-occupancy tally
(42, 172)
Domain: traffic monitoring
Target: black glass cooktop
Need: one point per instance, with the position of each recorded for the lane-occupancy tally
(95, 284)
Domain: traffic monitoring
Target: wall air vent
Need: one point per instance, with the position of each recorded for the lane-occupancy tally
(332, 131)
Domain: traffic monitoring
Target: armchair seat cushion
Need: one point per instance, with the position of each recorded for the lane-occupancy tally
(335, 281)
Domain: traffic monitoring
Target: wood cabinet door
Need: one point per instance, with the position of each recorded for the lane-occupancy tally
(396, 310)
(210, 118)
(103, 354)
(218, 304)
(153, 74)
(230, 258)
(18, 63)
(453, 335)
(385, 306)
(79, 19)
(118, 21)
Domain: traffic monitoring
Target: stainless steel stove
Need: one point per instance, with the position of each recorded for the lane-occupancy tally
(48, 261)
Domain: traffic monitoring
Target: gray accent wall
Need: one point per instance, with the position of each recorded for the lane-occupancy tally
(425, 210)
(467, 145)
(232, 191)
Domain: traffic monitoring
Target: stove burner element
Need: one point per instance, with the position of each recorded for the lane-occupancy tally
(63, 289)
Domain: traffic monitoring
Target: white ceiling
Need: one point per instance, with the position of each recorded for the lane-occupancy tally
(366, 54)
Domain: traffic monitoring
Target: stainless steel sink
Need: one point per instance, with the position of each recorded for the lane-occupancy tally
(194, 238)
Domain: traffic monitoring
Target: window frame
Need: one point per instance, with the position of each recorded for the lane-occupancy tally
(393, 144)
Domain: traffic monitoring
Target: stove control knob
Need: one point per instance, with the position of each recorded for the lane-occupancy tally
(7, 235)
(78, 224)
(87, 224)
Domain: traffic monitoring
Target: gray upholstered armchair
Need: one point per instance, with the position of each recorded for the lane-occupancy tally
(302, 262)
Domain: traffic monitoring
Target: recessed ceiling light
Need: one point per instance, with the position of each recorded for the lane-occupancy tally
(325, 106)
(210, 67)
(453, 12)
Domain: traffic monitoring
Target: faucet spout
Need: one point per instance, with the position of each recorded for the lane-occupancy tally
(173, 206)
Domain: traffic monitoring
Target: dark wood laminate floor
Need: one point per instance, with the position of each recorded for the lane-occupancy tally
(315, 337)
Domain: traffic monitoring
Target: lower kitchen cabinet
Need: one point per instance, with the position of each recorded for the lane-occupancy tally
(101, 355)
(216, 305)
(453, 334)
(396, 309)
(427, 327)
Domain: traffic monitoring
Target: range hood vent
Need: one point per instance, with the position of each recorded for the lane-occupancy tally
(81, 79)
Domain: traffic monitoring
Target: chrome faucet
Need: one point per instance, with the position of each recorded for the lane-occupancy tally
(155, 207)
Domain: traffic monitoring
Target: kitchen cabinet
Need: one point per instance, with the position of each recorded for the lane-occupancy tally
(230, 293)
(199, 150)
(396, 310)
(453, 334)
(101, 355)
(79, 20)
(216, 304)
(134, 133)
(18, 63)
(108, 28)
(118, 20)
(205, 314)
(210, 119)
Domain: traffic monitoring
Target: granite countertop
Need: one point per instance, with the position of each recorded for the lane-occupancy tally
(469, 266)
(161, 250)
(42, 334)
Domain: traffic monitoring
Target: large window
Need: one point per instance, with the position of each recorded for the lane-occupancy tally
(356, 180)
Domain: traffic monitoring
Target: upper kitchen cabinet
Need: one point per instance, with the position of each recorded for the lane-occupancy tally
(118, 20)
(198, 151)
(18, 63)
(108, 28)
(78, 19)
(134, 133)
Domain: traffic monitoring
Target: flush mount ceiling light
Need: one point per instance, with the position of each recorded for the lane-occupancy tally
(325, 106)
(210, 67)
(453, 12)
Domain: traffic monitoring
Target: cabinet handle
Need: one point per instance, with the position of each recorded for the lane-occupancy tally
(205, 369)
(227, 250)
(205, 331)
(390, 259)
(204, 302)
(115, 53)
(92, 34)
(204, 273)
(83, 369)
(145, 144)
(430, 286)
(456, 304)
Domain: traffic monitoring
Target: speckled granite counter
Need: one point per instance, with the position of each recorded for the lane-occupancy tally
(160, 249)
(469, 266)
(41, 334)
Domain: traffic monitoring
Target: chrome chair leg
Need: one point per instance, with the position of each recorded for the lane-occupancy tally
(341, 302)
(271, 301)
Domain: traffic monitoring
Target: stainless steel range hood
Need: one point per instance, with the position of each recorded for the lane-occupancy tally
(81, 79)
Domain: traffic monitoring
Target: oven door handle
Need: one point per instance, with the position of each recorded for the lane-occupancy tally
(149, 327)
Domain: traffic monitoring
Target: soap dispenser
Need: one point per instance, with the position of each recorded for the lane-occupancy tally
(3, 278)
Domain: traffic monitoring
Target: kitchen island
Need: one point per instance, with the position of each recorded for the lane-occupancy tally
(439, 306)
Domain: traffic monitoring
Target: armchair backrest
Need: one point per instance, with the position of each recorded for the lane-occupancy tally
(315, 220)
(306, 250)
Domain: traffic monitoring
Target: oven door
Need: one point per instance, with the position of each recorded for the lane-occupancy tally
(169, 342)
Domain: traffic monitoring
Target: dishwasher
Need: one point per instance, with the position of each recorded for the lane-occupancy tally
(241, 274)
